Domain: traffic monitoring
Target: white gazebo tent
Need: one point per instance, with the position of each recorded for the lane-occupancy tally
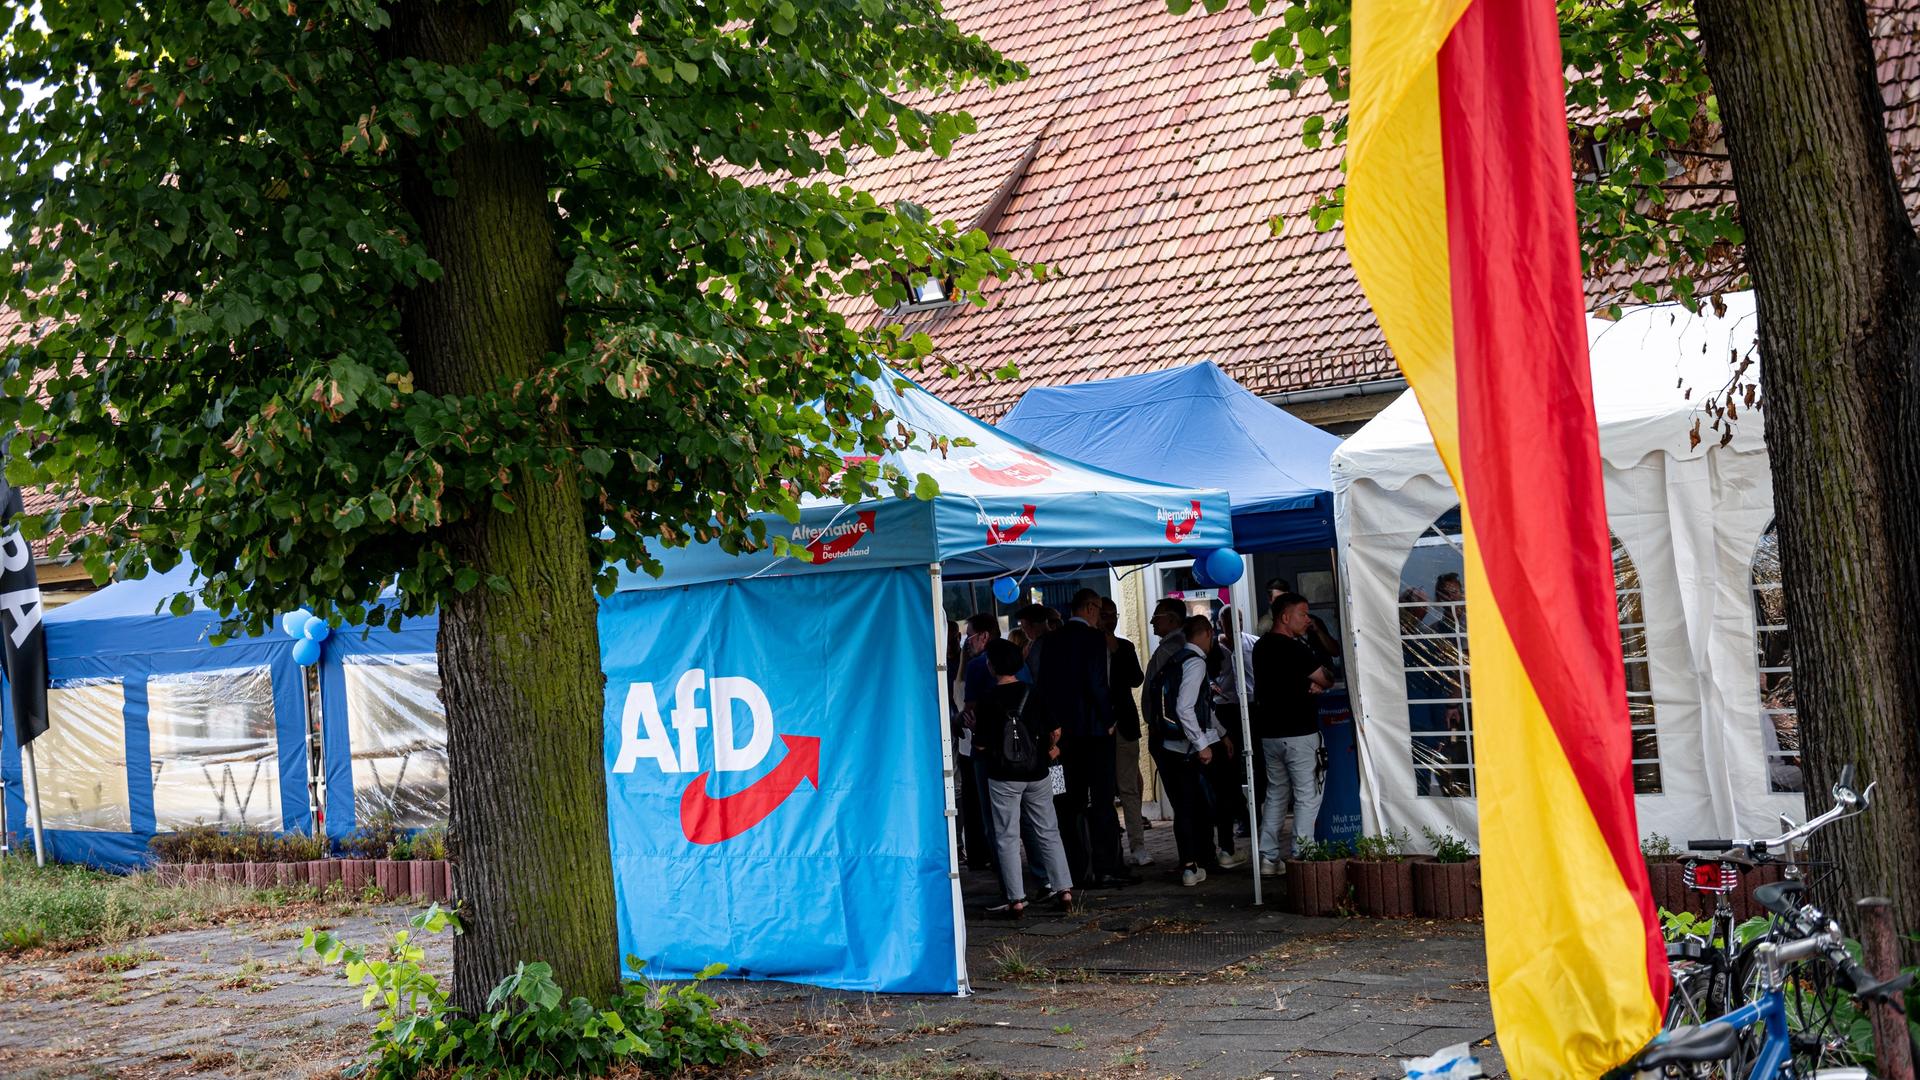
(1688, 520)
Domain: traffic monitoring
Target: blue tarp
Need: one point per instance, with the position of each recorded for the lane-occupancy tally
(112, 653)
(773, 780)
(1005, 506)
(1194, 425)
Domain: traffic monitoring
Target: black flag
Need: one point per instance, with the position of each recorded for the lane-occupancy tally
(23, 637)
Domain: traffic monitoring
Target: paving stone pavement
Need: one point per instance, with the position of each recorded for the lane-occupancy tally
(1330, 998)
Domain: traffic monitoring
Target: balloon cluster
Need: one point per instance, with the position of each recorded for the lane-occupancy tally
(307, 631)
(1217, 568)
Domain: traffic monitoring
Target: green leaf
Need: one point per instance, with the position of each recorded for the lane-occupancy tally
(596, 460)
(785, 19)
(310, 283)
(687, 71)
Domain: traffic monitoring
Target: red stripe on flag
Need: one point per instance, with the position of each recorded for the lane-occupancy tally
(1529, 453)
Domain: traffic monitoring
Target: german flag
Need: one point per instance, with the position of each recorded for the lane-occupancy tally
(1460, 224)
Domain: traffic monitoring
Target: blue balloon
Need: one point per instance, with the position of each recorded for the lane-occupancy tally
(1224, 566)
(316, 629)
(306, 652)
(293, 622)
(1199, 569)
(1006, 590)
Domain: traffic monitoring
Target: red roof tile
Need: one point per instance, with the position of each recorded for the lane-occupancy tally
(1164, 156)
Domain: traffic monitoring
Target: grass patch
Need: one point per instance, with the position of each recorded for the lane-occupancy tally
(62, 907)
(1011, 963)
(114, 963)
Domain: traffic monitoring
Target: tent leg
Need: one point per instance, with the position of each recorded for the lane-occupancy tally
(963, 987)
(33, 806)
(316, 754)
(1247, 746)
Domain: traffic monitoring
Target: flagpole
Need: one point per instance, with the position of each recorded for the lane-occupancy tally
(33, 806)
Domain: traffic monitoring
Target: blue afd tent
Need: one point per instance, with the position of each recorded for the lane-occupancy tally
(1196, 425)
(778, 740)
(155, 729)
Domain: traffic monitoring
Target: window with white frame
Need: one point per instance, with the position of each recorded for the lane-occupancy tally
(1432, 607)
(216, 753)
(81, 759)
(1773, 651)
(397, 729)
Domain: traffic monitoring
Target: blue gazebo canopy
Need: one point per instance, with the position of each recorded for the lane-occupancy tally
(1194, 425)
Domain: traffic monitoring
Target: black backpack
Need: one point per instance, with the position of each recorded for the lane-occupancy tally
(1018, 750)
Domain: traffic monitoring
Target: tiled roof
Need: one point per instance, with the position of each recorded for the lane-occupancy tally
(34, 500)
(1161, 158)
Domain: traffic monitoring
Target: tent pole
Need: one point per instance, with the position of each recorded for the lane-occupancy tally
(33, 806)
(1247, 746)
(963, 988)
(1363, 753)
(316, 753)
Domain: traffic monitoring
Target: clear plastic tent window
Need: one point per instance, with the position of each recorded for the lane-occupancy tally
(215, 751)
(81, 761)
(398, 731)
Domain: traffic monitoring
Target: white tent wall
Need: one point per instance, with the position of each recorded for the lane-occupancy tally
(1689, 519)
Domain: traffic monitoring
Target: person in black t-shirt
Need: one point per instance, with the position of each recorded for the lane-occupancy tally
(1290, 674)
(1019, 794)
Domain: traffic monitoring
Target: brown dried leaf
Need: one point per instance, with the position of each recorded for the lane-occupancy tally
(1693, 436)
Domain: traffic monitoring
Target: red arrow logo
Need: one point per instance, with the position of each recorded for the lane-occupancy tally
(706, 820)
(997, 534)
(826, 551)
(1178, 530)
(1029, 470)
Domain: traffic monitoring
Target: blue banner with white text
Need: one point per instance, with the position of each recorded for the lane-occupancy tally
(775, 787)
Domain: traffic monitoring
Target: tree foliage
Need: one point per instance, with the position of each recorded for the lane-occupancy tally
(1652, 185)
(202, 200)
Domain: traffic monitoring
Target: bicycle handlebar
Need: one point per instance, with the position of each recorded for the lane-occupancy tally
(1846, 803)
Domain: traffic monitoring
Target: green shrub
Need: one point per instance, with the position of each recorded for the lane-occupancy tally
(1656, 846)
(1383, 847)
(1448, 848)
(374, 837)
(1323, 851)
(530, 1028)
(430, 843)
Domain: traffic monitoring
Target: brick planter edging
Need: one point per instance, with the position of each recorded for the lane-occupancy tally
(1316, 888)
(1447, 890)
(1382, 889)
(397, 879)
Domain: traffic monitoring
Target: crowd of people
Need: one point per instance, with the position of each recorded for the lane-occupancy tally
(1048, 732)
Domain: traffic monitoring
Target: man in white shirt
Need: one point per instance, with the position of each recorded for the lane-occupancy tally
(1183, 739)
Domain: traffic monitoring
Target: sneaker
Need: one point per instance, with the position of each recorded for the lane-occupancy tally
(1230, 860)
(1140, 857)
(1272, 867)
(1192, 875)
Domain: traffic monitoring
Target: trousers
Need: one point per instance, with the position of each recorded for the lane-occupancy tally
(1128, 782)
(1089, 829)
(1289, 767)
(1186, 789)
(1017, 802)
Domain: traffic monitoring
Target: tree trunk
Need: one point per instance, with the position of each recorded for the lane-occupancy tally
(520, 667)
(1836, 270)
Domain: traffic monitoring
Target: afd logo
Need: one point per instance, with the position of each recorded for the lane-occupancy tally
(703, 818)
(838, 541)
(1008, 528)
(1180, 523)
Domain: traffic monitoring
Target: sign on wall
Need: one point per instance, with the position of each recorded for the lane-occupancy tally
(774, 780)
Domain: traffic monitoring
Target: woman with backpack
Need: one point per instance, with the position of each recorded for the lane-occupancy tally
(1011, 729)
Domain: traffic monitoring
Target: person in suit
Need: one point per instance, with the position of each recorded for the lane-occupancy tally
(1073, 684)
(1123, 674)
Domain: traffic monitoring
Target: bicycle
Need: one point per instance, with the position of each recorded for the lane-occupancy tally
(1708, 973)
(1718, 1047)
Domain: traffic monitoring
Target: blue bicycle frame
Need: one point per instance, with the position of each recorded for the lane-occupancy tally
(1770, 1009)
